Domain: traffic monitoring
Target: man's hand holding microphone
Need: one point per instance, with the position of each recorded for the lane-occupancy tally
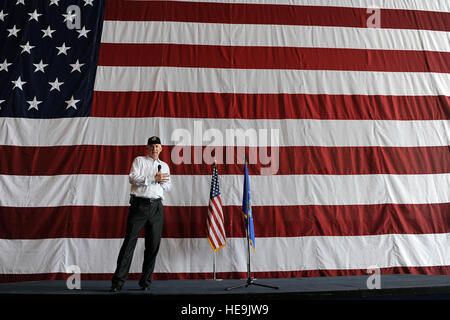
(161, 177)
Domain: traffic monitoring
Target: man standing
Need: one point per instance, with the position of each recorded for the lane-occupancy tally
(149, 178)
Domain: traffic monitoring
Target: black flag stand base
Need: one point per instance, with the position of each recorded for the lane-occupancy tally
(250, 280)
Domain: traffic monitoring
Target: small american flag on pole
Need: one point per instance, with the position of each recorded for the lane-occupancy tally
(216, 231)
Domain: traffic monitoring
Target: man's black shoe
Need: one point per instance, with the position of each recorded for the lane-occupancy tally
(115, 288)
(145, 287)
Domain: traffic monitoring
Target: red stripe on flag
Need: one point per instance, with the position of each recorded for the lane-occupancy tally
(240, 57)
(241, 13)
(87, 159)
(269, 221)
(433, 270)
(217, 217)
(214, 228)
(213, 237)
(269, 106)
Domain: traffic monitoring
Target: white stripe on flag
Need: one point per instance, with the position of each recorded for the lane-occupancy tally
(219, 214)
(217, 230)
(218, 222)
(280, 254)
(325, 133)
(212, 237)
(212, 230)
(87, 190)
(267, 81)
(273, 35)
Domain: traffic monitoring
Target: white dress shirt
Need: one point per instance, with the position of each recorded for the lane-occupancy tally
(142, 178)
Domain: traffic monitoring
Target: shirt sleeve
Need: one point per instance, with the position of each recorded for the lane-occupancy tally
(167, 186)
(136, 176)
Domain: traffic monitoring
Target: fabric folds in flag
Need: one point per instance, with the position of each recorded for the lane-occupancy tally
(216, 230)
(349, 108)
(247, 208)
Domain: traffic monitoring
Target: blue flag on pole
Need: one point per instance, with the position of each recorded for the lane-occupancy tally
(247, 208)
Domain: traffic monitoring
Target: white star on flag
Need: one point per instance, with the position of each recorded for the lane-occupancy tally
(5, 65)
(1, 101)
(54, 2)
(3, 15)
(18, 83)
(20, 2)
(76, 66)
(69, 17)
(63, 49)
(88, 2)
(40, 66)
(83, 32)
(33, 104)
(13, 31)
(47, 32)
(34, 15)
(55, 85)
(72, 103)
(27, 47)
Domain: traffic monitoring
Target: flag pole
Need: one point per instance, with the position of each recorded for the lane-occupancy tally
(214, 265)
(250, 280)
(248, 251)
(214, 253)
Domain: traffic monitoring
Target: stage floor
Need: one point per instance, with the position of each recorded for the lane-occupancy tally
(348, 287)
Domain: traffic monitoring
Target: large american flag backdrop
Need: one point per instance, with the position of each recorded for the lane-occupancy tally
(362, 115)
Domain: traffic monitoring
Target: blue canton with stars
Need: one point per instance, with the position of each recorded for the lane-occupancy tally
(214, 184)
(48, 57)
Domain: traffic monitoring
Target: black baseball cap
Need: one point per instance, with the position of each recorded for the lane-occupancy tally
(153, 140)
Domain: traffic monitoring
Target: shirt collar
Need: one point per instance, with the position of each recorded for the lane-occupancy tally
(157, 160)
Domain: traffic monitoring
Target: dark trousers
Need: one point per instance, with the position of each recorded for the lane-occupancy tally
(143, 213)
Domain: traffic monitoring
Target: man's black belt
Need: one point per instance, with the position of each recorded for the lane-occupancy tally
(145, 200)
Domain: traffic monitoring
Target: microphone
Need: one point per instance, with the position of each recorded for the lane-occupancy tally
(159, 170)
